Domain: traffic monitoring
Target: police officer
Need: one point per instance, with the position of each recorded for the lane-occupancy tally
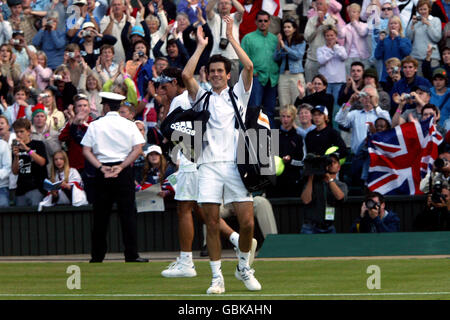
(111, 144)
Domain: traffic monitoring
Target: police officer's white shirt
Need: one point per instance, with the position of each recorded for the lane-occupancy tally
(182, 101)
(221, 135)
(112, 137)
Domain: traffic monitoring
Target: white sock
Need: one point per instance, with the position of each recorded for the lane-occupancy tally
(234, 239)
(244, 260)
(186, 257)
(216, 268)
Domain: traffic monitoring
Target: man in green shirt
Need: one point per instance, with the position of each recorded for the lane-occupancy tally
(260, 46)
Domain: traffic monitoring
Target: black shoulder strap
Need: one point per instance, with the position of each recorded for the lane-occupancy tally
(207, 94)
(236, 110)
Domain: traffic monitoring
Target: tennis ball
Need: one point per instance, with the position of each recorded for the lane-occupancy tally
(279, 165)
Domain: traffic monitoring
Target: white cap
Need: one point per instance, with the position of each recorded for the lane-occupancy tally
(153, 148)
(87, 25)
(112, 96)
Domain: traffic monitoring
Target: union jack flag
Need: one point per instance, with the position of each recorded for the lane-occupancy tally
(402, 156)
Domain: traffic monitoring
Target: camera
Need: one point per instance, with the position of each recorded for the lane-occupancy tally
(396, 69)
(436, 194)
(16, 41)
(86, 33)
(419, 18)
(363, 94)
(141, 54)
(408, 96)
(315, 164)
(15, 143)
(440, 163)
(44, 95)
(57, 77)
(71, 54)
(370, 204)
(223, 43)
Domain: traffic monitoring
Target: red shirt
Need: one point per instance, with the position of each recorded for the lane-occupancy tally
(75, 149)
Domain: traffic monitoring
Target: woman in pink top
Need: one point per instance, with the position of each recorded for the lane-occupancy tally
(356, 35)
(38, 67)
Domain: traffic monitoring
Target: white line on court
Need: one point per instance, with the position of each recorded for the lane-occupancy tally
(224, 295)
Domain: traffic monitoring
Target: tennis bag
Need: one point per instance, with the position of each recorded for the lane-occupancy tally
(185, 128)
(255, 159)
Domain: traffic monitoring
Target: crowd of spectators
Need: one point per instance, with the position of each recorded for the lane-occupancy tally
(326, 74)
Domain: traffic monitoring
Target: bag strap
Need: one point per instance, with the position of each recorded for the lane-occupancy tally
(447, 96)
(236, 110)
(207, 94)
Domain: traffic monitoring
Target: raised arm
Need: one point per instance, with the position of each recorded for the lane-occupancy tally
(210, 9)
(188, 71)
(247, 71)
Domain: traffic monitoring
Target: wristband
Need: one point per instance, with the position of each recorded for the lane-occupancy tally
(347, 104)
(331, 180)
(30, 152)
(145, 100)
(100, 168)
(399, 111)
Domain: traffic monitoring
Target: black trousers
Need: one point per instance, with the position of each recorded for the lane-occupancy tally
(120, 190)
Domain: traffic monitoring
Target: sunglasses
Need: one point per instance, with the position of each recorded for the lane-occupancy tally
(386, 9)
(263, 20)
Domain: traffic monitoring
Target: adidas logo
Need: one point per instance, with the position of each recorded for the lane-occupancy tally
(184, 127)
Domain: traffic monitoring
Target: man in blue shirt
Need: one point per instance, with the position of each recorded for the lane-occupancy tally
(409, 80)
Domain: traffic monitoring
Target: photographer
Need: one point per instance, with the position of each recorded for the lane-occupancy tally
(322, 192)
(419, 97)
(441, 171)
(435, 216)
(374, 218)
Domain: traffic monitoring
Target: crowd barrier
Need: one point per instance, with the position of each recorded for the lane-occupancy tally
(62, 230)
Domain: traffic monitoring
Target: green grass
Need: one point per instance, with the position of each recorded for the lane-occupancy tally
(281, 280)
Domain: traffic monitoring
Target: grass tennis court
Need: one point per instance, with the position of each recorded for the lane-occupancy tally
(281, 280)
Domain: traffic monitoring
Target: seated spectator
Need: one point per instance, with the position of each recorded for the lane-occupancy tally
(72, 60)
(130, 37)
(357, 119)
(71, 189)
(423, 33)
(183, 22)
(127, 111)
(21, 50)
(20, 108)
(29, 163)
(89, 85)
(409, 80)
(157, 26)
(289, 54)
(5, 171)
(8, 66)
(29, 81)
(90, 41)
(291, 151)
(393, 70)
(393, 44)
(61, 12)
(428, 70)
(319, 205)
(355, 34)
(317, 94)
(315, 38)
(374, 218)
(192, 7)
(218, 29)
(55, 118)
(323, 137)
(51, 41)
(156, 171)
(430, 110)
(62, 87)
(305, 120)
(41, 131)
(126, 87)
(419, 97)
(140, 56)
(370, 77)
(176, 51)
(354, 82)
(440, 93)
(22, 19)
(113, 25)
(78, 116)
(105, 65)
(332, 59)
(75, 25)
(38, 68)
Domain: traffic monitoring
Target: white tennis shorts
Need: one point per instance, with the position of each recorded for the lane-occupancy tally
(187, 186)
(221, 181)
